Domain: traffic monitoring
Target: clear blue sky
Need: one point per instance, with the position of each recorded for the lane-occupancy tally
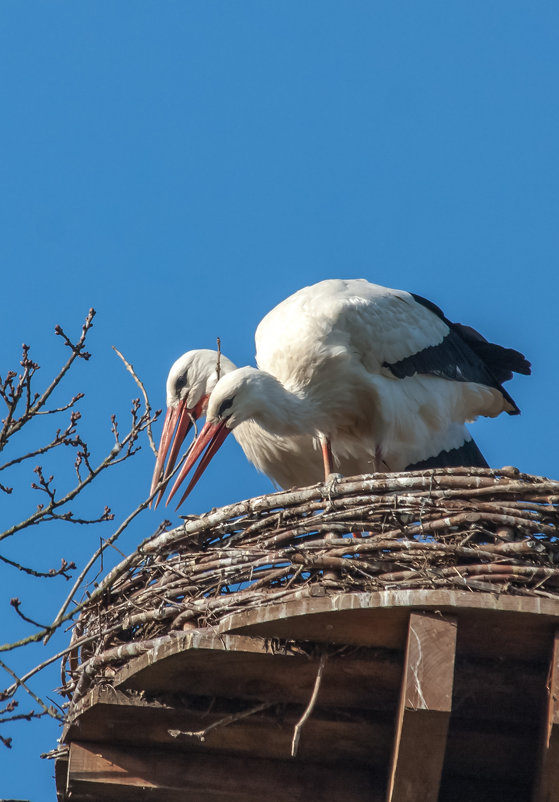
(183, 166)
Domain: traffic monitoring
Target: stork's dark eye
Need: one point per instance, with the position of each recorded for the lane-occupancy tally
(181, 382)
(223, 406)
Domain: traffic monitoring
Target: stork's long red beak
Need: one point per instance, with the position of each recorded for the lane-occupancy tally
(179, 417)
(210, 438)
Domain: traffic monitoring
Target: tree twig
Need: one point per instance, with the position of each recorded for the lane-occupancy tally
(130, 369)
(310, 706)
(19, 682)
(201, 735)
(218, 366)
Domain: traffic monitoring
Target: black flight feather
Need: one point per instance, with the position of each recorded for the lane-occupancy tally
(463, 355)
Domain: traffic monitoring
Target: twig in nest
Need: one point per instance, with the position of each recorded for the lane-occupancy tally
(218, 366)
(223, 722)
(310, 706)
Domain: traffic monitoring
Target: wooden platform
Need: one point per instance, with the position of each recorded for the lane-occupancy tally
(420, 695)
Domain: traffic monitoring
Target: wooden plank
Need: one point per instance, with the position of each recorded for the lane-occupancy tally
(500, 748)
(116, 718)
(424, 712)
(498, 690)
(490, 624)
(364, 678)
(61, 775)
(195, 641)
(246, 668)
(473, 789)
(105, 772)
(500, 751)
(546, 788)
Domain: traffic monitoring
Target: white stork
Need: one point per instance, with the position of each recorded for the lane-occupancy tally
(377, 376)
(287, 461)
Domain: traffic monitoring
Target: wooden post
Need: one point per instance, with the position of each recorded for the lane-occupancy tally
(547, 779)
(424, 711)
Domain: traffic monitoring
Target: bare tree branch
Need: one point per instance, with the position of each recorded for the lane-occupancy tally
(23, 404)
(123, 447)
(16, 603)
(35, 402)
(60, 438)
(20, 683)
(52, 572)
(130, 369)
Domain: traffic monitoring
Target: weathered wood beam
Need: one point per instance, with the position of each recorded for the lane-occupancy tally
(248, 668)
(490, 624)
(424, 711)
(61, 775)
(116, 718)
(546, 787)
(105, 772)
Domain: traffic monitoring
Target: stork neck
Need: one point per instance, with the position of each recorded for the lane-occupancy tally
(285, 412)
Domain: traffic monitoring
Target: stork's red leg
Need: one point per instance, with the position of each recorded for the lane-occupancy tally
(329, 465)
(327, 456)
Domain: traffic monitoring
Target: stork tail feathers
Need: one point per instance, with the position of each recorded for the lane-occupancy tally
(467, 455)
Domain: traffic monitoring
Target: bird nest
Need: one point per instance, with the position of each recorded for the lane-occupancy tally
(472, 529)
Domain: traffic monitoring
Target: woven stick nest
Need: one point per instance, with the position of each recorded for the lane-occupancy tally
(459, 528)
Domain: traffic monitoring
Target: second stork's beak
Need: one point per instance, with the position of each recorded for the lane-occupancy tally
(179, 418)
(210, 438)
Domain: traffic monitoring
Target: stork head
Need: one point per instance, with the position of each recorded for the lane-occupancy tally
(189, 384)
(234, 399)
(242, 395)
(194, 375)
(239, 396)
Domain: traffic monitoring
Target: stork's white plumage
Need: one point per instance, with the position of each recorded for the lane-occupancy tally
(378, 375)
